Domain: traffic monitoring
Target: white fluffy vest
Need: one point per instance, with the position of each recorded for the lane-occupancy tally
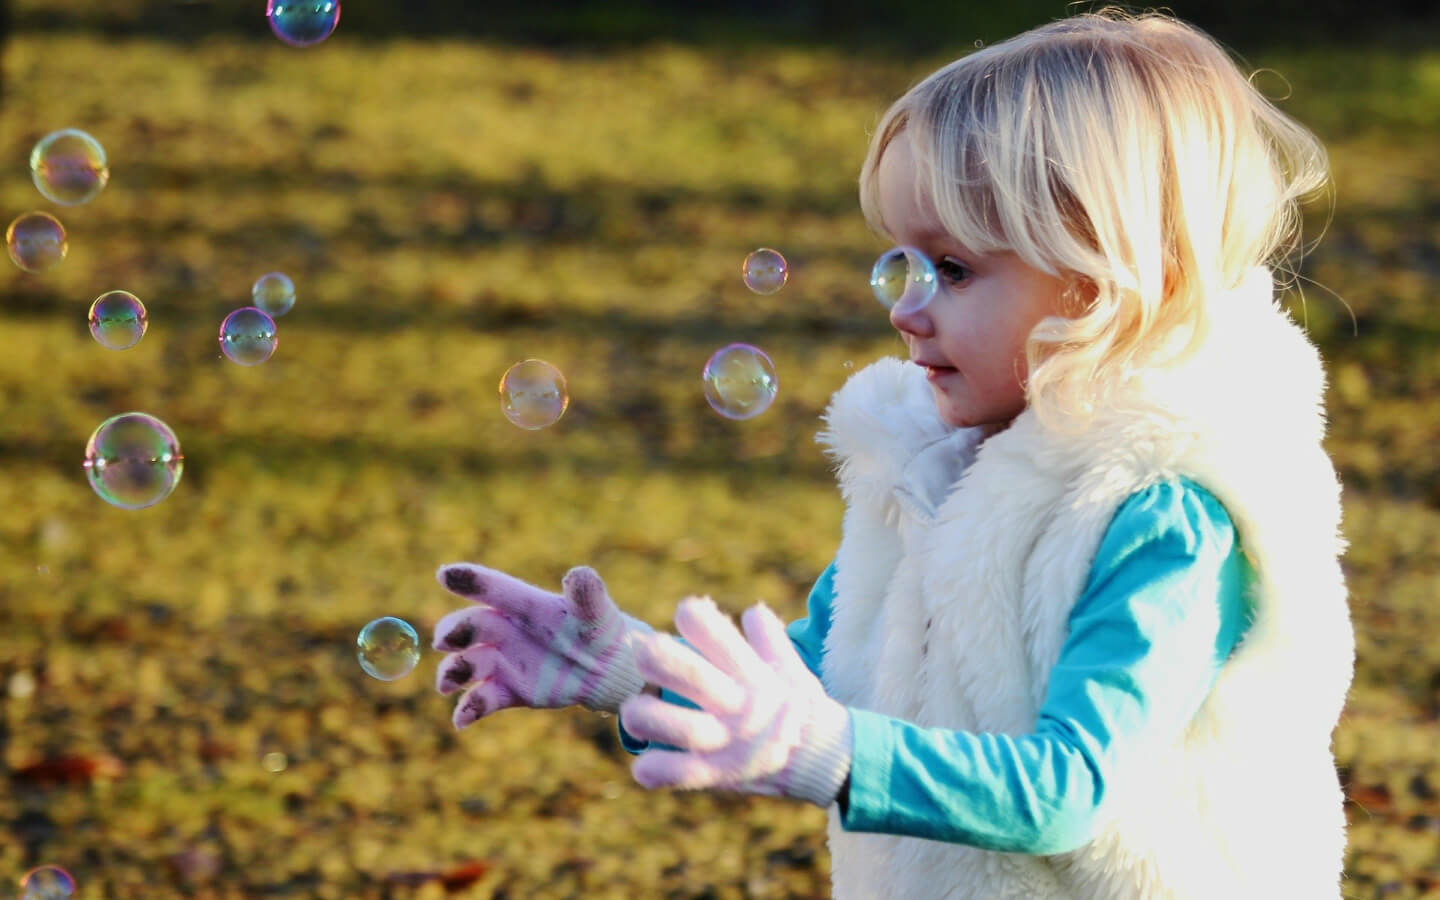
(958, 570)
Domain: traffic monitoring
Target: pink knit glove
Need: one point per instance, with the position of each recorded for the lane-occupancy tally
(521, 646)
(765, 724)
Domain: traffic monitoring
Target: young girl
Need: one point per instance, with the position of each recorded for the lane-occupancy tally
(1086, 633)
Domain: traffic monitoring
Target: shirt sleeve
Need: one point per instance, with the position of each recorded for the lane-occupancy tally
(1164, 606)
(807, 634)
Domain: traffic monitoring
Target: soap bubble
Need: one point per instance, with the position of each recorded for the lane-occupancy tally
(118, 320)
(388, 648)
(903, 278)
(740, 381)
(765, 271)
(36, 241)
(133, 460)
(47, 883)
(247, 336)
(274, 762)
(273, 293)
(533, 394)
(301, 23)
(69, 167)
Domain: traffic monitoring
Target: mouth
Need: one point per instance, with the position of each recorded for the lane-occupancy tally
(935, 371)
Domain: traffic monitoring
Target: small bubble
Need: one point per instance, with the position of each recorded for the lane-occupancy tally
(903, 279)
(765, 271)
(118, 320)
(740, 381)
(273, 293)
(388, 648)
(248, 336)
(533, 394)
(274, 762)
(303, 23)
(36, 241)
(22, 685)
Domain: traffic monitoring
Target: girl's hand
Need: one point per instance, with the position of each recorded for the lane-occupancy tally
(522, 646)
(765, 724)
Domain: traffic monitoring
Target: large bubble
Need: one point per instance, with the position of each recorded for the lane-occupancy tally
(69, 167)
(47, 883)
(133, 460)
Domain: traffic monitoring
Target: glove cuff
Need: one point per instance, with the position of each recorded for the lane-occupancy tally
(621, 680)
(823, 758)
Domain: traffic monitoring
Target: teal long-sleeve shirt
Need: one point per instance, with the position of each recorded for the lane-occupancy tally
(1144, 649)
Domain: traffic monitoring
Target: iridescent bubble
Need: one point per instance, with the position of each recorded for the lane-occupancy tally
(47, 883)
(765, 271)
(133, 460)
(903, 278)
(302, 23)
(69, 167)
(740, 381)
(118, 320)
(274, 293)
(533, 394)
(274, 762)
(36, 241)
(247, 336)
(388, 648)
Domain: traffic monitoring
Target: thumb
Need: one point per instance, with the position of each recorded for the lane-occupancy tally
(582, 586)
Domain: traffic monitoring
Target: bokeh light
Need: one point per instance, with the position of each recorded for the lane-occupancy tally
(69, 167)
(36, 241)
(533, 394)
(388, 648)
(273, 293)
(303, 23)
(47, 883)
(740, 381)
(118, 320)
(765, 271)
(133, 460)
(903, 278)
(248, 336)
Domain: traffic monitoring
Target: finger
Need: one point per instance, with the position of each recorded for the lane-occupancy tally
(766, 633)
(673, 769)
(582, 586)
(481, 700)
(473, 625)
(652, 719)
(711, 632)
(665, 661)
(526, 604)
(459, 670)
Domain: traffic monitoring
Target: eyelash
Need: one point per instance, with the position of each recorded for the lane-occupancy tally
(946, 266)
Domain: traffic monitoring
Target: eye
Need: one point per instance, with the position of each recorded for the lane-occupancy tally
(952, 270)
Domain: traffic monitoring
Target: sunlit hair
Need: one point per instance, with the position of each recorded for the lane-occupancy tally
(1124, 152)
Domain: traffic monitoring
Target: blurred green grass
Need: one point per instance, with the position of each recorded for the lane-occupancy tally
(446, 208)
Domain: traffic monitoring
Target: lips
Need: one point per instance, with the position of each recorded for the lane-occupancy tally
(933, 369)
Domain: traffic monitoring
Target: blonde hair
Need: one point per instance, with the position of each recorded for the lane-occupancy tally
(1126, 153)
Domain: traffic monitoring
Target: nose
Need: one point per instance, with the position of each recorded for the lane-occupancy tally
(912, 321)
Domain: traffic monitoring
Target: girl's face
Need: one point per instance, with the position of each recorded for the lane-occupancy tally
(971, 336)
